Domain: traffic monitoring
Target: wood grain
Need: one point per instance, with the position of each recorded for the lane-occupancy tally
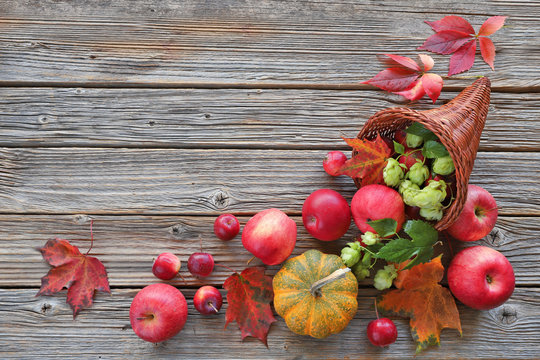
(213, 181)
(276, 43)
(104, 331)
(127, 245)
(228, 118)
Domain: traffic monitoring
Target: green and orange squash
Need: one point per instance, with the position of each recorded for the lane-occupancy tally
(316, 294)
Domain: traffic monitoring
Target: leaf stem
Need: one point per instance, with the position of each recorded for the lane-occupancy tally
(376, 311)
(91, 236)
(226, 267)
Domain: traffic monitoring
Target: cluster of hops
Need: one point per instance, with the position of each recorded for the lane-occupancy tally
(421, 171)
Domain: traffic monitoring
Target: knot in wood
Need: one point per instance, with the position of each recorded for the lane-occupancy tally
(177, 230)
(81, 219)
(507, 314)
(496, 237)
(220, 199)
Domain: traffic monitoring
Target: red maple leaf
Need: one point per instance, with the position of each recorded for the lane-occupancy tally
(368, 162)
(455, 35)
(408, 78)
(249, 296)
(81, 274)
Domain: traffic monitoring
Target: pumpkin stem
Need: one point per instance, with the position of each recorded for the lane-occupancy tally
(317, 285)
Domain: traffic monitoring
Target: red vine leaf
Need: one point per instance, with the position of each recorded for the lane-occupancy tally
(427, 61)
(452, 22)
(491, 25)
(487, 49)
(400, 61)
(368, 162)
(393, 79)
(463, 59)
(455, 35)
(416, 92)
(249, 296)
(81, 274)
(432, 84)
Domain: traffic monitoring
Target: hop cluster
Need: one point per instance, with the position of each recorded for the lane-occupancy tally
(393, 173)
(384, 277)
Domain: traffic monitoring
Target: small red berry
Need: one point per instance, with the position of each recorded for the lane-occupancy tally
(166, 266)
(208, 300)
(411, 157)
(401, 137)
(226, 227)
(333, 162)
(382, 332)
(200, 264)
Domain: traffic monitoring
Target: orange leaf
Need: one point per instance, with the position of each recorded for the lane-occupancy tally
(81, 274)
(369, 161)
(420, 297)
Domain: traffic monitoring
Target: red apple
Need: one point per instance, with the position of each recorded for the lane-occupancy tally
(207, 300)
(326, 215)
(333, 161)
(375, 202)
(411, 157)
(158, 312)
(226, 227)
(166, 266)
(481, 277)
(478, 216)
(270, 235)
(400, 136)
(382, 332)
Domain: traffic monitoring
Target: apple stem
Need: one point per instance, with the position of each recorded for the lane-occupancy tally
(213, 307)
(226, 267)
(376, 312)
(183, 278)
(250, 260)
(147, 317)
(91, 237)
(317, 285)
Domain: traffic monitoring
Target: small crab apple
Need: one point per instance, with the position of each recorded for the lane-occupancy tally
(333, 162)
(411, 157)
(400, 136)
(226, 227)
(208, 300)
(200, 264)
(382, 331)
(166, 266)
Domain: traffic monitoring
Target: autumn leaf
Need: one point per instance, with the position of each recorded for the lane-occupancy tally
(249, 296)
(80, 274)
(420, 297)
(455, 35)
(368, 162)
(407, 77)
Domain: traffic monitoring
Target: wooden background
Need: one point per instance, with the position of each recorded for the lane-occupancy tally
(153, 117)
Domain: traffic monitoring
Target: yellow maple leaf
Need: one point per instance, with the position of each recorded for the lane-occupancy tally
(420, 297)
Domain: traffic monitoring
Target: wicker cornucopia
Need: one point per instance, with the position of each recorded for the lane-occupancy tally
(458, 124)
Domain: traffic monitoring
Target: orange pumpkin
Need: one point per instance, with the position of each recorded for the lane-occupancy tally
(316, 294)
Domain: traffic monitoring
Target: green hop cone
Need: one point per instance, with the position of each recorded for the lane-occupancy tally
(413, 141)
(409, 196)
(407, 184)
(361, 271)
(393, 173)
(370, 238)
(427, 198)
(434, 213)
(384, 277)
(350, 256)
(418, 173)
(443, 165)
(439, 186)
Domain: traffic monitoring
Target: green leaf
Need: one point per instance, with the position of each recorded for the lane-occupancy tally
(399, 148)
(420, 130)
(433, 149)
(384, 227)
(421, 232)
(423, 236)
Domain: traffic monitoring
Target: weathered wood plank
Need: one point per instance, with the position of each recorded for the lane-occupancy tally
(253, 42)
(127, 245)
(104, 331)
(180, 181)
(227, 118)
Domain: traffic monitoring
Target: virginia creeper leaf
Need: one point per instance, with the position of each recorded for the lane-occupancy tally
(403, 61)
(491, 25)
(452, 22)
(432, 84)
(393, 79)
(463, 59)
(420, 297)
(445, 42)
(81, 274)
(427, 61)
(249, 295)
(369, 162)
(487, 49)
(416, 92)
